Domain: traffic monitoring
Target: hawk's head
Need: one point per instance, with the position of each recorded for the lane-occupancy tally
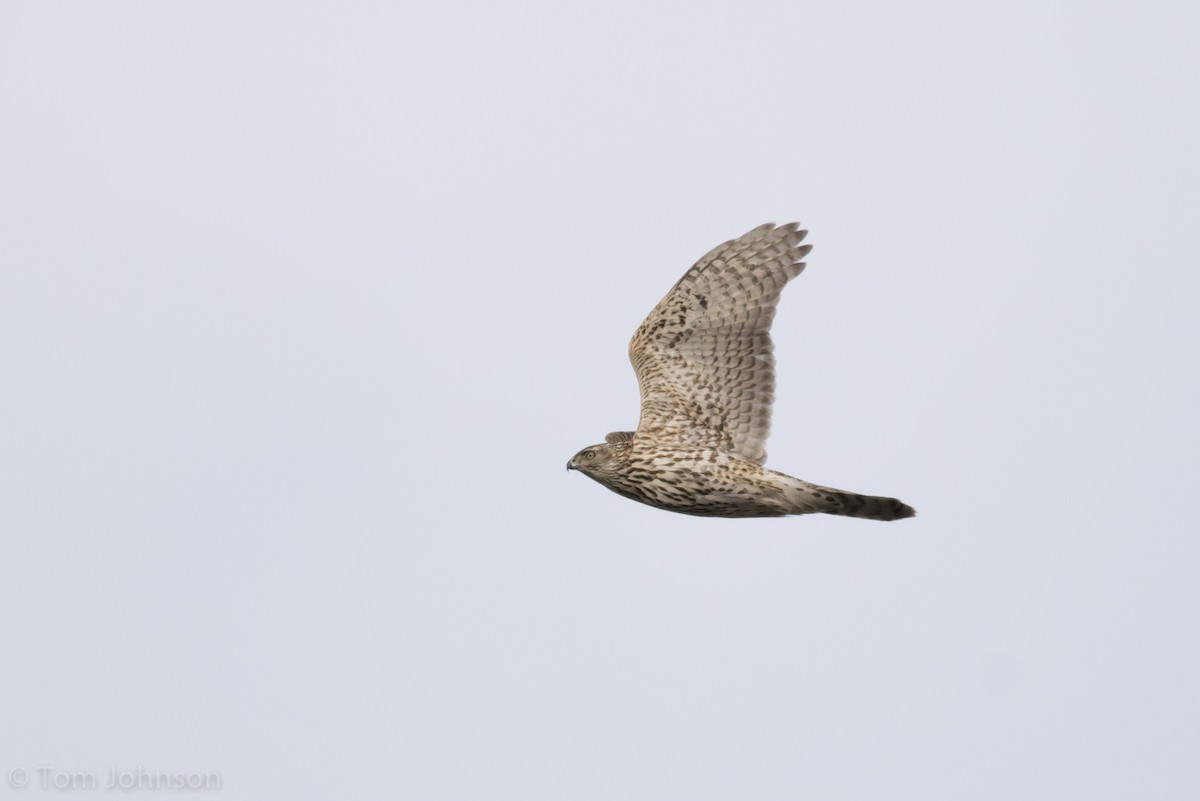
(592, 460)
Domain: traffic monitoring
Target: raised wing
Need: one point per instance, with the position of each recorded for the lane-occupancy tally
(703, 356)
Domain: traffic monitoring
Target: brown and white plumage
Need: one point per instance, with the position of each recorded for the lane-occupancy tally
(706, 371)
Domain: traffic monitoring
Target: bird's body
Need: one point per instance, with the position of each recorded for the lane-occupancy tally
(705, 367)
(714, 483)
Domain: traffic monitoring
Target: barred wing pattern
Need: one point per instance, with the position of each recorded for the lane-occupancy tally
(703, 356)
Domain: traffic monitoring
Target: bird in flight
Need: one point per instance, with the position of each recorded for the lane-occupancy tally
(704, 364)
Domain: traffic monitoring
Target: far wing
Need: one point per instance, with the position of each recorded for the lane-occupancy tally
(703, 356)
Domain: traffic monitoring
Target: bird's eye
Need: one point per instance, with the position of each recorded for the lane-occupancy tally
(589, 454)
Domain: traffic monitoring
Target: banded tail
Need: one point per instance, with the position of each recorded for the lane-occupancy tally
(815, 498)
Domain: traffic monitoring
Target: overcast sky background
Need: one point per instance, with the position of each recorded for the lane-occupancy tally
(304, 307)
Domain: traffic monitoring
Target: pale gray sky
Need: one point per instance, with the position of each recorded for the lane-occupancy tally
(303, 308)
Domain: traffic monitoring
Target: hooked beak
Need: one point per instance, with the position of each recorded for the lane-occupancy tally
(571, 464)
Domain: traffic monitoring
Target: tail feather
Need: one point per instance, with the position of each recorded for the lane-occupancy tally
(815, 498)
